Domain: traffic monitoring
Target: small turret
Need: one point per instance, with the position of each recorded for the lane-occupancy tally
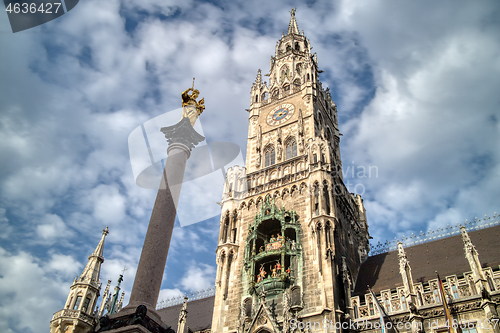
(78, 313)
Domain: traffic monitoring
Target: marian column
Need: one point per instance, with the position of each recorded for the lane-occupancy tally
(181, 138)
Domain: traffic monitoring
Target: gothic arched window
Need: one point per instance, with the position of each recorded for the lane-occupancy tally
(316, 199)
(298, 68)
(297, 46)
(291, 149)
(86, 303)
(269, 156)
(77, 303)
(296, 296)
(248, 307)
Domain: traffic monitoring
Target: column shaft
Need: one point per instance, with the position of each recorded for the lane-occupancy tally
(154, 253)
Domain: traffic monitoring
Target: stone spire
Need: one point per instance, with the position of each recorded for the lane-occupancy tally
(182, 317)
(405, 270)
(91, 272)
(258, 80)
(292, 26)
(105, 296)
(472, 255)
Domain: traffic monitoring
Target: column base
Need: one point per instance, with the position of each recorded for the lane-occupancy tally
(138, 320)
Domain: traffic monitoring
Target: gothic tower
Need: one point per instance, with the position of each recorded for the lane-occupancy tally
(78, 314)
(292, 237)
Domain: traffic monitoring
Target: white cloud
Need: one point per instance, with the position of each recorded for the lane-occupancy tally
(25, 287)
(198, 276)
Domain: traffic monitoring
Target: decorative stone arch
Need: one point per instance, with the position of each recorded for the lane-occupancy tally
(316, 198)
(285, 192)
(298, 69)
(275, 93)
(258, 201)
(328, 133)
(320, 118)
(329, 235)
(247, 306)
(295, 297)
(250, 204)
(314, 153)
(303, 189)
(221, 256)
(293, 190)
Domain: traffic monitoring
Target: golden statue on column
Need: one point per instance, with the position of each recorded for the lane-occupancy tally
(190, 107)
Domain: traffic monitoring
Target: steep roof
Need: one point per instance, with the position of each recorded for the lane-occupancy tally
(445, 255)
(199, 315)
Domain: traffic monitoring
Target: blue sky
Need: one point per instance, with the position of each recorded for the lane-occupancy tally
(416, 84)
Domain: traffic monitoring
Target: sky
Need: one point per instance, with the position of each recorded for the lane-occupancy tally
(416, 85)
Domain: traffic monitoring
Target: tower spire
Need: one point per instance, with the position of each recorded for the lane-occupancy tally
(405, 270)
(292, 26)
(83, 295)
(91, 272)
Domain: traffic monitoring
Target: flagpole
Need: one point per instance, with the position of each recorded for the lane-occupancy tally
(447, 313)
(382, 312)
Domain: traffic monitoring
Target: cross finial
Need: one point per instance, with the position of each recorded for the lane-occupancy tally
(124, 269)
(105, 232)
(293, 11)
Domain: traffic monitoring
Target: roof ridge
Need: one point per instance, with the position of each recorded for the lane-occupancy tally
(431, 235)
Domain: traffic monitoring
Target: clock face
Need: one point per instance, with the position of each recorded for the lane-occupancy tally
(280, 114)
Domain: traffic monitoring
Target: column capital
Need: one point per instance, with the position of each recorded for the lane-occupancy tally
(182, 133)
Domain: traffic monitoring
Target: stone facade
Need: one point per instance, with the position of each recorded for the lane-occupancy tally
(291, 236)
(415, 304)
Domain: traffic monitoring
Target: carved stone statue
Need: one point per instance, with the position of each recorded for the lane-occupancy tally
(301, 123)
(259, 139)
(190, 107)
